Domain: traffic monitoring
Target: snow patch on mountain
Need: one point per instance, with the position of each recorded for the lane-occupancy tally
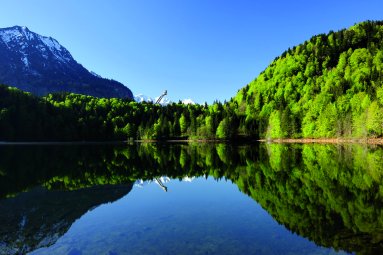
(142, 98)
(16, 34)
(52, 44)
(28, 34)
(55, 48)
(22, 37)
(94, 74)
(188, 101)
(9, 35)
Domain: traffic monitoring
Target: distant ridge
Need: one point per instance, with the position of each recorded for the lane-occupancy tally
(40, 65)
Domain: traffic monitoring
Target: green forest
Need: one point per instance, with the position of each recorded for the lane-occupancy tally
(329, 86)
(72, 117)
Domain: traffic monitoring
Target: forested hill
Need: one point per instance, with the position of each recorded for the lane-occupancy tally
(329, 86)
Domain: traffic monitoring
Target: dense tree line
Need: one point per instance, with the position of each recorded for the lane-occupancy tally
(72, 117)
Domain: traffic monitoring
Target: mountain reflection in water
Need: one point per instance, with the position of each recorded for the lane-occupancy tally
(329, 194)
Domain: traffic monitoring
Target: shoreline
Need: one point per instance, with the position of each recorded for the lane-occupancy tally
(325, 140)
(376, 141)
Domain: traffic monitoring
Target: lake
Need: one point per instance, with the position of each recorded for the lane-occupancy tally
(198, 198)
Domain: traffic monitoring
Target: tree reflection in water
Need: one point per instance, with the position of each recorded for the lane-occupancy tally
(331, 194)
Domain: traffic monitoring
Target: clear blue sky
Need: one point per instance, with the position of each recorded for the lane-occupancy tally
(199, 49)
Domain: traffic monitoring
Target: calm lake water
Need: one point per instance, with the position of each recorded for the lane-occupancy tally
(191, 199)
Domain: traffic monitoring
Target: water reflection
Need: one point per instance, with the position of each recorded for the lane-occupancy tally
(329, 194)
(38, 218)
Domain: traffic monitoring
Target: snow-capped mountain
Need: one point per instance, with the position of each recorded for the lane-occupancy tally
(164, 101)
(40, 65)
(142, 98)
(188, 101)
